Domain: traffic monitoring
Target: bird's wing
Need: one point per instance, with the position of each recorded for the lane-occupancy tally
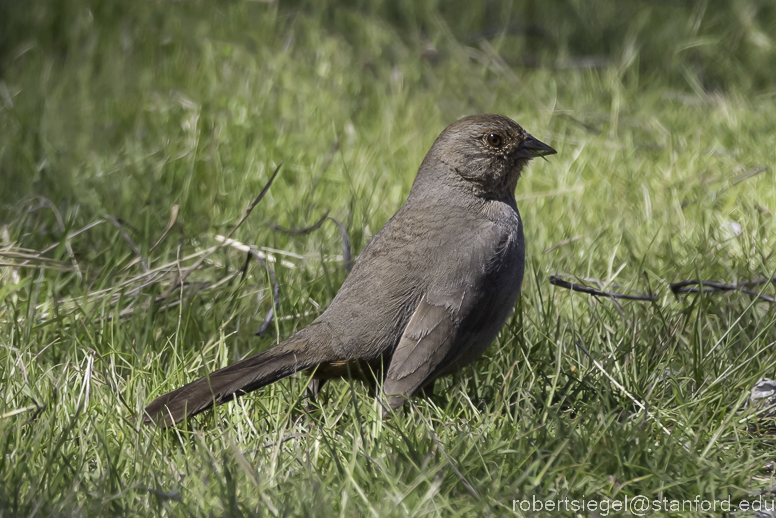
(432, 341)
(460, 314)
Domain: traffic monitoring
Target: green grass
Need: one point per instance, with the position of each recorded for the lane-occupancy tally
(129, 109)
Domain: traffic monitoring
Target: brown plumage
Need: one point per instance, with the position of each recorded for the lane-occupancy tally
(425, 297)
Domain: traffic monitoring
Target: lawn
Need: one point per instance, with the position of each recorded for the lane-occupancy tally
(133, 135)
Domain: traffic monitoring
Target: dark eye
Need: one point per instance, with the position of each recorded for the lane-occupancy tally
(494, 140)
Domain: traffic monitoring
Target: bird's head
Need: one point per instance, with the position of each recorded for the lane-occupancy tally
(486, 152)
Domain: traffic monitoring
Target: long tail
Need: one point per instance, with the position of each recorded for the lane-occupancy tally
(233, 381)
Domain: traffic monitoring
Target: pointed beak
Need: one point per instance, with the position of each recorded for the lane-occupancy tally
(533, 148)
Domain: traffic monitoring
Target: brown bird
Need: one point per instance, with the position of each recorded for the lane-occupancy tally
(427, 295)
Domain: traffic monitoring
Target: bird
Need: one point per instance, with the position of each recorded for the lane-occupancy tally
(426, 296)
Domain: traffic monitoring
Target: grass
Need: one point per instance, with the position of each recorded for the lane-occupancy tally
(664, 172)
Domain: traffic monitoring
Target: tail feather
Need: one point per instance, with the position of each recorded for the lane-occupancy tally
(230, 382)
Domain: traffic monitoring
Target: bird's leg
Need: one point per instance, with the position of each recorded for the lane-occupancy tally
(371, 385)
(427, 392)
(394, 402)
(314, 388)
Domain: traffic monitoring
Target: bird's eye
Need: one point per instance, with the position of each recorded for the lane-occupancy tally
(494, 140)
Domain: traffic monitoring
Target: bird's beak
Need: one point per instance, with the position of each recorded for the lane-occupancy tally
(533, 148)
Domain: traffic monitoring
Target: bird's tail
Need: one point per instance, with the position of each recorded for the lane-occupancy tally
(233, 381)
